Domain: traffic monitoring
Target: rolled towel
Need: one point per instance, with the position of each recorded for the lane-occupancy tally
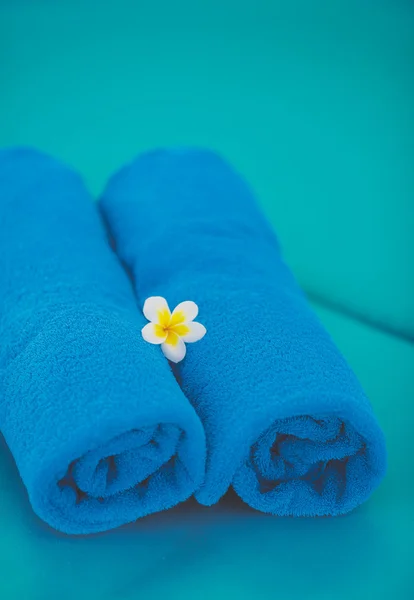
(286, 420)
(99, 429)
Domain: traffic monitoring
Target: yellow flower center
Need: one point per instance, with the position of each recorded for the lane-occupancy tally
(172, 325)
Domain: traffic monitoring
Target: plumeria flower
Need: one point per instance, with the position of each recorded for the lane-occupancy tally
(171, 330)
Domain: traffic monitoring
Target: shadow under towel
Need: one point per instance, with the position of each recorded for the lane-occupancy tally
(286, 421)
(99, 429)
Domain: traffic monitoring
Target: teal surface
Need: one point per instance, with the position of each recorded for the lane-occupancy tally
(230, 550)
(314, 102)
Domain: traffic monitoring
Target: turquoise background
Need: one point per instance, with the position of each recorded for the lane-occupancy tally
(312, 100)
(314, 103)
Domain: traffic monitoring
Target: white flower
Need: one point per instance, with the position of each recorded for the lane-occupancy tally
(171, 330)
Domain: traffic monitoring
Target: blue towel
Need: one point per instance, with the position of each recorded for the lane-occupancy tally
(99, 429)
(286, 421)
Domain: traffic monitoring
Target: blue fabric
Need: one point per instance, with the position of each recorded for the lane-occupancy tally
(99, 429)
(286, 420)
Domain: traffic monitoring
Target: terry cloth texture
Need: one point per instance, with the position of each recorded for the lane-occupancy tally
(99, 429)
(286, 420)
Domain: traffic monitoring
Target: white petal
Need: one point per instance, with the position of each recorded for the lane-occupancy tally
(197, 331)
(154, 307)
(174, 352)
(188, 309)
(152, 333)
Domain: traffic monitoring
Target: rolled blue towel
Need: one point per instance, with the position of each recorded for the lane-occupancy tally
(100, 431)
(286, 421)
